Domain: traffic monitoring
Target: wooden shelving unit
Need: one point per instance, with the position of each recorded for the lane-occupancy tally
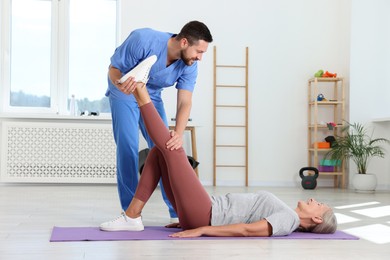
(321, 112)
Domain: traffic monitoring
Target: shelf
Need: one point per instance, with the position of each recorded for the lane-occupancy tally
(326, 103)
(325, 79)
(332, 109)
(331, 173)
(319, 150)
(325, 127)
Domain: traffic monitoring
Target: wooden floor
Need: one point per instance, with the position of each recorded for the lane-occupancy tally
(29, 211)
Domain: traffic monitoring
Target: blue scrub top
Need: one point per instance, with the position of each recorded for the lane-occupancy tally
(141, 44)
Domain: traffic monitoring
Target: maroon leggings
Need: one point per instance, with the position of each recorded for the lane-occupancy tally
(184, 190)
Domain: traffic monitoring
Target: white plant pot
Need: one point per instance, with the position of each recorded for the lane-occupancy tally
(364, 183)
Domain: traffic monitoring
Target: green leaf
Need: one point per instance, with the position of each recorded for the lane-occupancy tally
(354, 143)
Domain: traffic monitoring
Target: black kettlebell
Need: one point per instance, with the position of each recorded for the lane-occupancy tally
(309, 182)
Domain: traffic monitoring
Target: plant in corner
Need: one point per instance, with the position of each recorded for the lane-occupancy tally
(356, 144)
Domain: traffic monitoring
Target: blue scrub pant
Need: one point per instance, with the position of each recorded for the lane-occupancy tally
(126, 122)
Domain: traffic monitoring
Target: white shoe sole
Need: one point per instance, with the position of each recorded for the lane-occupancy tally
(141, 72)
(122, 229)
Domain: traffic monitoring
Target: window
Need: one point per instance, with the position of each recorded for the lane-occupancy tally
(30, 53)
(55, 49)
(91, 44)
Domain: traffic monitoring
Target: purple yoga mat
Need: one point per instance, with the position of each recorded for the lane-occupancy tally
(62, 234)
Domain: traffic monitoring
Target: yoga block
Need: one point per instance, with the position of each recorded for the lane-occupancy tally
(322, 168)
(330, 162)
(322, 145)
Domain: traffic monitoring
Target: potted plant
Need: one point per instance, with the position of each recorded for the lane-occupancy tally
(357, 145)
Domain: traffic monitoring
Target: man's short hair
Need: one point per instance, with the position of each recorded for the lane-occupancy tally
(194, 31)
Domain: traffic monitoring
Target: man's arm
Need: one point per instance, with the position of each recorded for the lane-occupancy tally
(183, 110)
(257, 229)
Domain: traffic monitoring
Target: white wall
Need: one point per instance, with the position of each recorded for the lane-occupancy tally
(370, 83)
(288, 42)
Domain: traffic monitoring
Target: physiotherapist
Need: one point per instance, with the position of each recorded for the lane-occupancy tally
(176, 65)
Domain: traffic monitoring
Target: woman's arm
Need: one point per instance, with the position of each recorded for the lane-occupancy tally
(257, 229)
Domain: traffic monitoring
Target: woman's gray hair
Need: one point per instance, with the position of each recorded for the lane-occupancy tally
(328, 225)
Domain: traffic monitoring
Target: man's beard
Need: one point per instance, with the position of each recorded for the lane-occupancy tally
(187, 61)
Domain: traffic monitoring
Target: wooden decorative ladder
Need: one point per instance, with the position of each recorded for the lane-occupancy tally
(224, 108)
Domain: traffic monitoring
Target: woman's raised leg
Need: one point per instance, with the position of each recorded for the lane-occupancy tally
(191, 201)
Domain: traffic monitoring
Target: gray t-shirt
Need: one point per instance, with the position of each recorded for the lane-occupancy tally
(234, 208)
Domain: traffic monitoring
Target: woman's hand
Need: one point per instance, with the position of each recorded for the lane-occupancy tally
(197, 232)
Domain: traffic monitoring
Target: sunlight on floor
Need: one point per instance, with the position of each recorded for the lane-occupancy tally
(357, 205)
(374, 212)
(376, 233)
(342, 218)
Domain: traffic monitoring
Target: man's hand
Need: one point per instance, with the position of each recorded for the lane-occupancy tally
(175, 142)
(128, 86)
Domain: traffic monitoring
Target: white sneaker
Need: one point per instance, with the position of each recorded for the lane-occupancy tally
(141, 71)
(123, 223)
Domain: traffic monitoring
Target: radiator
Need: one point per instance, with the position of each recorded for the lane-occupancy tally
(57, 152)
